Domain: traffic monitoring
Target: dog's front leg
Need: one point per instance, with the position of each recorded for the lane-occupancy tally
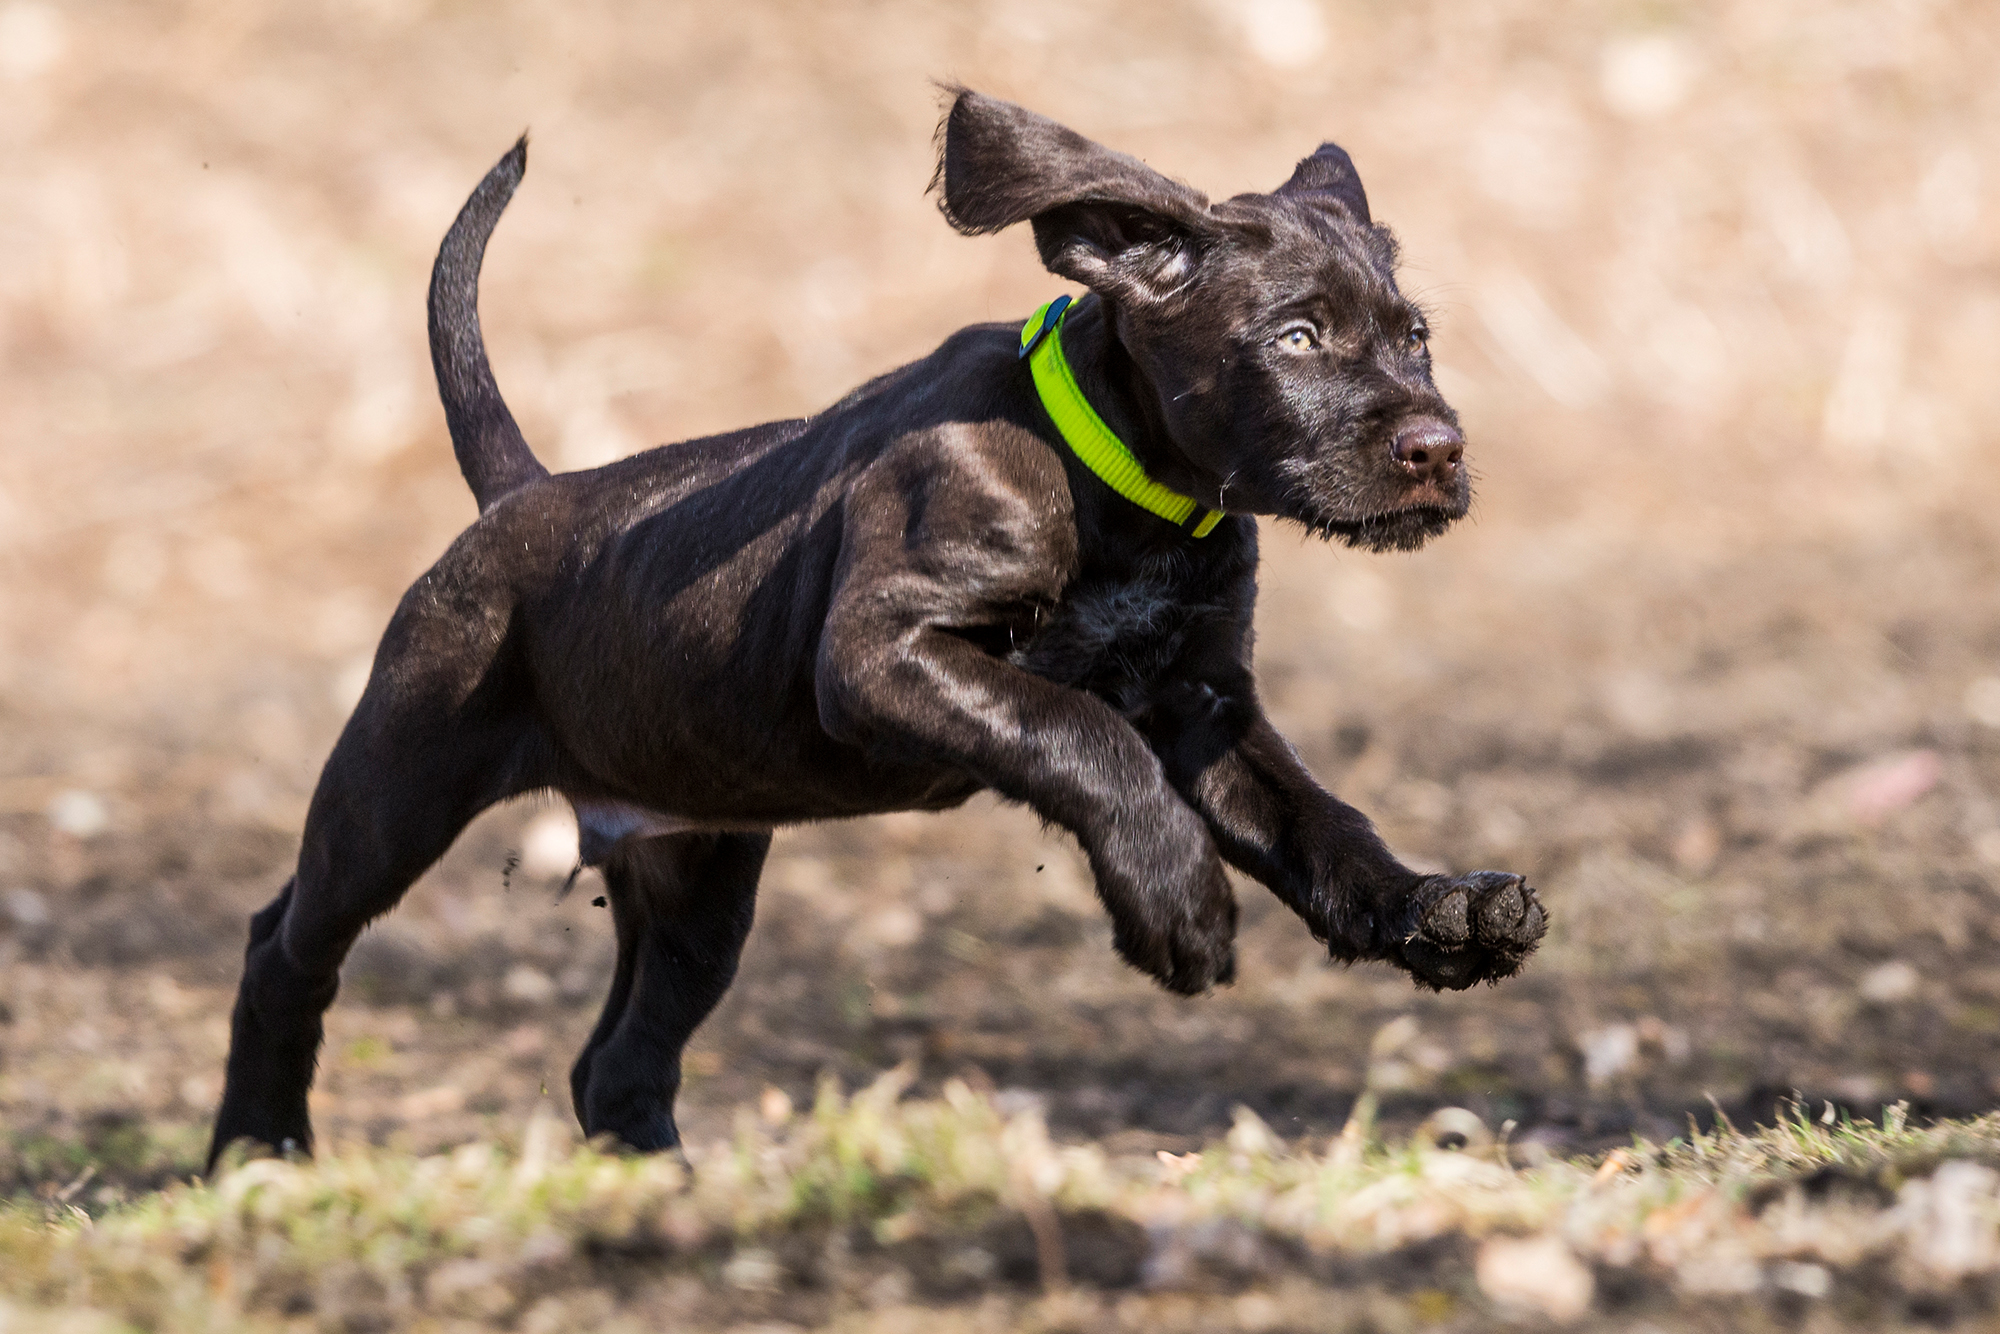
(1323, 857)
(922, 695)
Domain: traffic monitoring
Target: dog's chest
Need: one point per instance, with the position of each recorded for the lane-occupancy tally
(1114, 639)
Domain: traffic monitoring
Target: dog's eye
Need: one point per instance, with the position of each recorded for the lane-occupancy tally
(1299, 338)
(1419, 339)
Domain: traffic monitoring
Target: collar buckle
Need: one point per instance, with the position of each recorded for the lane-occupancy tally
(1043, 323)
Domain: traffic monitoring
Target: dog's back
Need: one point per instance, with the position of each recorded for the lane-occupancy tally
(642, 592)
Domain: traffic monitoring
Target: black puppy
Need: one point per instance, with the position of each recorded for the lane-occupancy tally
(1025, 563)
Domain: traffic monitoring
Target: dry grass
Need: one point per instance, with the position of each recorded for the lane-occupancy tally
(869, 1203)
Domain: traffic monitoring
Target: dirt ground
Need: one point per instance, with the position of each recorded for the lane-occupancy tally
(1716, 661)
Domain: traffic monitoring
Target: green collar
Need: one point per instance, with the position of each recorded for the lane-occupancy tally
(1095, 443)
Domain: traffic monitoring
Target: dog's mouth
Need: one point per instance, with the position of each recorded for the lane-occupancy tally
(1396, 530)
(1405, 528)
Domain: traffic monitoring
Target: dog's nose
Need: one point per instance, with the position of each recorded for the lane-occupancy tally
(1427, 450)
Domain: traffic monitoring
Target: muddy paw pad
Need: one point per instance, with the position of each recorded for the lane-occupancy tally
(1508, 912)
(1442, 969)
(1475, 928)
(1449, 922)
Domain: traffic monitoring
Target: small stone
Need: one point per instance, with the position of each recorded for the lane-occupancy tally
(1719, 1273)
(27, 908)
(895, 927)
(79, 814)
(1256, 1311)
(1608, 1052)
(1948, 1219)
(1982, 701)
(548, 844)
(1250, 1136)
(1537, 1275)
(1697, 846)
(1393, 1036)
(528, 985)
(1878, 789)
(1887, 983)
(1986, 847)
(1645, 77)
(1287, 34)
(753, 1269)
(1807, 1280)
(440, 1101)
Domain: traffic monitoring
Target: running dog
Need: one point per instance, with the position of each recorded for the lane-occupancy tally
(1024, 563)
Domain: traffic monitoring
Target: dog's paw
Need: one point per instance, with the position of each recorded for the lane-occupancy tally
(1479, 927)
(1188, 941)
(1185, 962)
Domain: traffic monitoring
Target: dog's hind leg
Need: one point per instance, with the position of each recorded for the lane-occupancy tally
(682, 905)
(435, 740)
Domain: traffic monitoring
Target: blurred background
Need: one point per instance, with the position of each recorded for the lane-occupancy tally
(1716, 661)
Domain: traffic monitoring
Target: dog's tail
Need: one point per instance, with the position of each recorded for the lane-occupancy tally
(491, 451)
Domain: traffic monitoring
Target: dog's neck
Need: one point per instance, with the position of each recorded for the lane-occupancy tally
(1125, 398)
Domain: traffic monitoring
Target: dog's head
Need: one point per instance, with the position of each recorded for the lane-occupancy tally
(1287, 369)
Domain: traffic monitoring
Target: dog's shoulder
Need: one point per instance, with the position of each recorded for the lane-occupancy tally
(951, 455)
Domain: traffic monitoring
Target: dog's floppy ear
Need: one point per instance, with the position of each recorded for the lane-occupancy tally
(1102, 218)
(1330, 172)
